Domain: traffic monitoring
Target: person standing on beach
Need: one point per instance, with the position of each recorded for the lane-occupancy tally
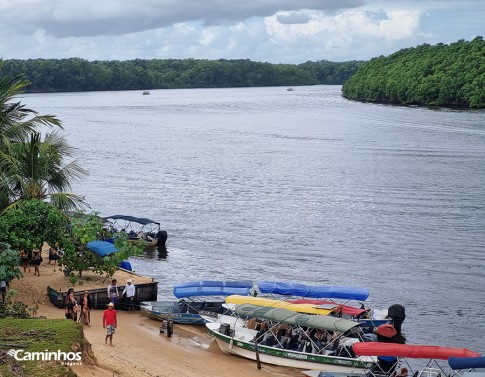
(109, 323)
(72, 308)
(24, 258)
(36, 261)
(3, 289)
(86, 308)
(129, 291)
(113, 293)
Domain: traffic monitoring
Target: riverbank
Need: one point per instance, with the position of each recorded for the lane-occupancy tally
(139, 349)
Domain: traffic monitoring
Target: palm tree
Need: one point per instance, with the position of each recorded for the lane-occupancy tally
(29, 167)
(39, 170)
(17, 121)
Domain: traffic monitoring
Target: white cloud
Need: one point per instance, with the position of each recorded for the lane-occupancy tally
(348, 31)
(271, 30)
(116, 17)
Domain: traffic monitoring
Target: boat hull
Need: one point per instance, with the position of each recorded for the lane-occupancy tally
(194, 313)
(287, 358)
(178, 318)
(148, 243)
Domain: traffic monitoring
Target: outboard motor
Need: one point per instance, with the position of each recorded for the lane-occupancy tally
(397, 313)
(387, 334)
(162, 237)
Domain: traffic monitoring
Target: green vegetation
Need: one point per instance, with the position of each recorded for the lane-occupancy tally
(10, 261)
(84, 228)
(15, 308)
(31, 223)
(38, 335)
(33, 178)
(31, 167)
(70, 75)
(440, 75)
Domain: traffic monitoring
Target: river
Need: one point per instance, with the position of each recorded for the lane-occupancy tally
(302, 186)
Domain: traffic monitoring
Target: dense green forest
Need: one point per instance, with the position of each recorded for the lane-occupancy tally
(440, 75)
(71, 75)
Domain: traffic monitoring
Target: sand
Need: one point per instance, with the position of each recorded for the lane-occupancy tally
(139, 348)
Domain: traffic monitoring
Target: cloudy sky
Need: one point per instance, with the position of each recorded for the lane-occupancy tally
(276, 31)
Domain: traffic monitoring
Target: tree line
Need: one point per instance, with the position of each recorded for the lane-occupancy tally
(75, 74)
(439, 75)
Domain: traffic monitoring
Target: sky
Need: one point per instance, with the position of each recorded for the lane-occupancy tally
(275, 31)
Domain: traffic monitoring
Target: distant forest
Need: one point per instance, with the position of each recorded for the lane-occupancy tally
(440, 75)
(75, 74)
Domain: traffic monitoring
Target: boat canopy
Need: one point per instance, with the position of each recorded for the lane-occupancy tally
(139, 220)
(261, 301)
(292, 318)
(102, 248)
(410, 351)
(212, 288)
(325, 291)
(466, 362)
(346, 309)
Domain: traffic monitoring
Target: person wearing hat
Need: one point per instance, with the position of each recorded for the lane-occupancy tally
(110, 323)
(129, 291)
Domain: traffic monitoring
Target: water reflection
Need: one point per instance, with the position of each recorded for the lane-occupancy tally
(160, 252)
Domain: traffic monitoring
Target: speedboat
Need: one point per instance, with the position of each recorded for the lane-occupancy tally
(287, 338)
(198, 301)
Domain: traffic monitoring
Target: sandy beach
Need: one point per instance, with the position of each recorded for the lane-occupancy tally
(139, 348)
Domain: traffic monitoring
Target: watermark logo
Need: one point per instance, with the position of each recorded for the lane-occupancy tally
(66, 358)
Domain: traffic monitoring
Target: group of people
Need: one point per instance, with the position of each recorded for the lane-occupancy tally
(128, 292)
(36, 259)
(80, 311)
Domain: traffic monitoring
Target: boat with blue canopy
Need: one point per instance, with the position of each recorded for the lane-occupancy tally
(196, 298)
(324, 291)
(137, 228)
(324, 296)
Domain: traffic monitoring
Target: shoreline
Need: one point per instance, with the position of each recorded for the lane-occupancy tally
(139, 349)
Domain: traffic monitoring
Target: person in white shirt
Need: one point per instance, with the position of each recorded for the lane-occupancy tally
(129, 291)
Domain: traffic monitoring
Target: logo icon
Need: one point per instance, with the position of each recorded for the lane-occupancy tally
(11, 352)
(67, 358)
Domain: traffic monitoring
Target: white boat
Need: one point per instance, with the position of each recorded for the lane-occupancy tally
(296, 347)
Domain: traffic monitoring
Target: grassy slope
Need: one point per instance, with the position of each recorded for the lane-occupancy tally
(38, 335)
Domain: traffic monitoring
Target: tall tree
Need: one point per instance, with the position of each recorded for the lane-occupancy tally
(38, 170)
(29, 167)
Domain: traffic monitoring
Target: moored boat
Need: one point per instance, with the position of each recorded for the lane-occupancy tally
(325, 296)
(291, 339)
(401, 352)
(197, 301)
(137, 228)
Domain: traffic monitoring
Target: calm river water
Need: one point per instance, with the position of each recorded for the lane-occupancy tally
(302, 186)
